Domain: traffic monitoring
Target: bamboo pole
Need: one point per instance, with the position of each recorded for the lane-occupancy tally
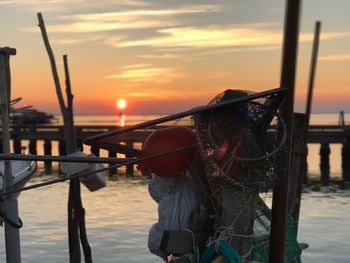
(289, 57)
(268, 93)
(302, 168)
(10, 203)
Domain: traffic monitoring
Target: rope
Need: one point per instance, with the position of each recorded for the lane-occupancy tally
(222, 248)
(10, 222)
(135, 161)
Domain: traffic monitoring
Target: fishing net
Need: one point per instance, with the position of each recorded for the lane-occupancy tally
(261, 244)
(239, 145)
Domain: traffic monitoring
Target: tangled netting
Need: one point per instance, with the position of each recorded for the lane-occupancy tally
(240, 144)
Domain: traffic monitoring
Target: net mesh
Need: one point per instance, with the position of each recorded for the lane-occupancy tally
(239, 146)
(261, 245)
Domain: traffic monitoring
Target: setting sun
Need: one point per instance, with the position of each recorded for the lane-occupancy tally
(121, 104)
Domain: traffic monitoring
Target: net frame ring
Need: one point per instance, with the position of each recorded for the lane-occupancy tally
(279, 120)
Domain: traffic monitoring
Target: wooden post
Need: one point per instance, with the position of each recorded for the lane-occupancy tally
(76, 212)
(62, 150)
(32, 147)
(298, 154)
(324, 165)
(345, 152)
(9, 203)
(80, 145)
(302, 177)
(17, 146)
(279, 201)
(112, 172)
(129, 168)
(313, 67)
(95, 150)
(48, 151)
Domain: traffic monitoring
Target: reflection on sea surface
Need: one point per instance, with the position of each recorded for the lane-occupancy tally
(119, 216)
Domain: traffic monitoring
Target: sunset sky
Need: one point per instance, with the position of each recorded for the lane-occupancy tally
(168, 56)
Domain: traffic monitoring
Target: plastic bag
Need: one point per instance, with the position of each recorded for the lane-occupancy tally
(173, 212)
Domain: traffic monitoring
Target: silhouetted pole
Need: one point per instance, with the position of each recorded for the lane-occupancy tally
(10, 203)
(76, 212)
(303, 165)
(289, 57)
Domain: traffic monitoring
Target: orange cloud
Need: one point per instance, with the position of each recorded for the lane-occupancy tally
(144, 72)
(336, 57)
(218, 36)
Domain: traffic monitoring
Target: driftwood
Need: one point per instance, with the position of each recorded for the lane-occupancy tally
(76, 213)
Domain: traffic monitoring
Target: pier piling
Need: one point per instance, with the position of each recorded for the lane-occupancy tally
(324, 165)
(48, 151)
(17, 147)
(346, 160)
(129, 168)
(112, 172)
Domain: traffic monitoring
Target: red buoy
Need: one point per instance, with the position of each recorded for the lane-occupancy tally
(165, 140)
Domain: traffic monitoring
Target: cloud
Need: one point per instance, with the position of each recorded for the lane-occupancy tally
(146, 73)
(135, 19)
(141, 94)
(336, 57)
(217, 36)
(30, 2)
(78, 3)
(159, 56)
(113, 16)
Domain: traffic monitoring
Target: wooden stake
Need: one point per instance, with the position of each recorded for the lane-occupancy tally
(10, 204)
(75, 221)
(302, 168)
(289, 57)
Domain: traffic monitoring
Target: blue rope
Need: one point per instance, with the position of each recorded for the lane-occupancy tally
(222, 248)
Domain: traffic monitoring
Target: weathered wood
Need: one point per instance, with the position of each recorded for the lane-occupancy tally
(298, 155)
(48, 151)
(76, 222)
(62, 150)
(289, 59)
(95, 150)
(301, 169)
(317, 133)
(112, 172)
(9, 203)
(17, 146)
(130, 167)
(313, 66)
(325, 165)
(128, 149)
(346, 160)
(32, 147)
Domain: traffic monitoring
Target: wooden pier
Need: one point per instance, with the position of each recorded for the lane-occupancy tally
(129, 144)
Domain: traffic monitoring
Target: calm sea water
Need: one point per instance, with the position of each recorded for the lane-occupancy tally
(119, 216)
